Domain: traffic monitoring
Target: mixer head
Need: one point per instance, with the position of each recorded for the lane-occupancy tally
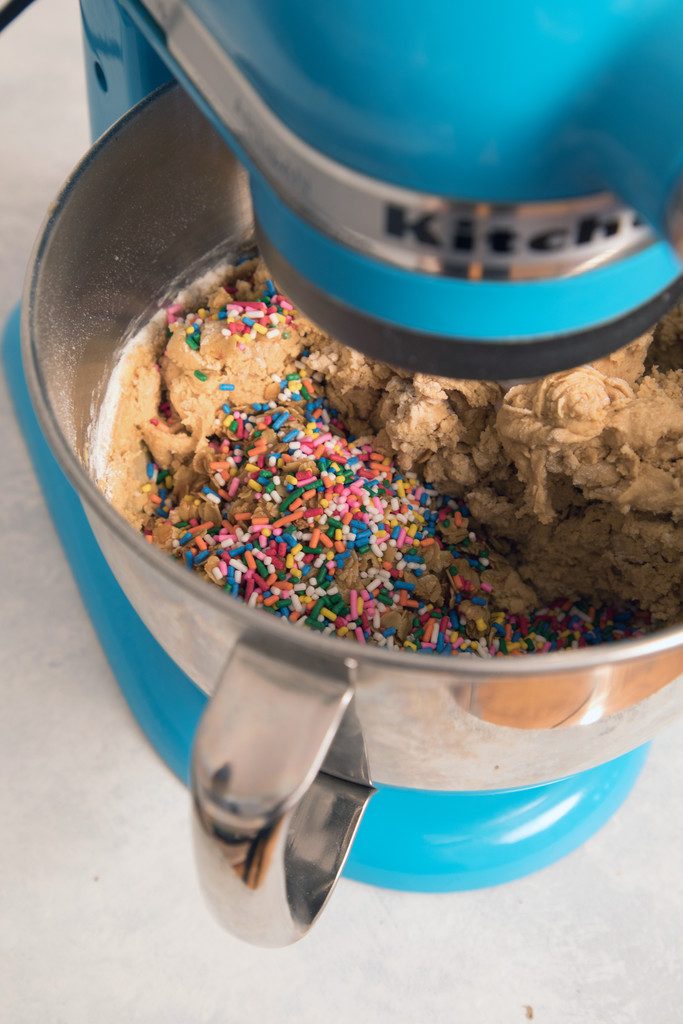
(485, 192)
(486, 313)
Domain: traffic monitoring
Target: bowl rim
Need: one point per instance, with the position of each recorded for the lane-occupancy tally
(251, 619)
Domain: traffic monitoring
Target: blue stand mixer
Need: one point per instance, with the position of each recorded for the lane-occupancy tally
(493, 194)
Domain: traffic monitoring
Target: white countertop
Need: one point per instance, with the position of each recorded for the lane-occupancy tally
(100, 915)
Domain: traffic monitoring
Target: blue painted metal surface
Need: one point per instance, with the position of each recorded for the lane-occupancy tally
(121, 67)
(442, 842)
(163, 699)
(408, 839)
(499, 102)
(530, 100)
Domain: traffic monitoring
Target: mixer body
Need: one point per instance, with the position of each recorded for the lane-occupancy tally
(301, 729)
(477, 192)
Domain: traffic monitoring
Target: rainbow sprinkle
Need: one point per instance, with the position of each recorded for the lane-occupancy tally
(298, 517)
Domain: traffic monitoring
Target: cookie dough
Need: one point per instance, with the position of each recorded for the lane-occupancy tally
(543, 515)
(577, 478)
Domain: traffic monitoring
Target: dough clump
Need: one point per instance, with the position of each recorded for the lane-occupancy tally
(576, 478)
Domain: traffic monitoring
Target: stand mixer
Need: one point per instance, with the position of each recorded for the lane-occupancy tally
(493, 194)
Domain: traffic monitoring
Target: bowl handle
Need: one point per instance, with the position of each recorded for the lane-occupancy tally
(271, 830)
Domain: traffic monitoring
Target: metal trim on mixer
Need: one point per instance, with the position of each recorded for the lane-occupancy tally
(433, 234)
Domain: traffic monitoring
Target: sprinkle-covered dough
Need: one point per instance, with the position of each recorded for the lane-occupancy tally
(395, 508)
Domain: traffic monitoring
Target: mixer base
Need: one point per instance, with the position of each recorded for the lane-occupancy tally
(408, 839)
(439, 842)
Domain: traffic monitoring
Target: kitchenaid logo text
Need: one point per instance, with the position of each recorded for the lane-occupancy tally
(497, 237)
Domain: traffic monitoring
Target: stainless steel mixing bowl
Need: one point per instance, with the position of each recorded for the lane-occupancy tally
(300, 726)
